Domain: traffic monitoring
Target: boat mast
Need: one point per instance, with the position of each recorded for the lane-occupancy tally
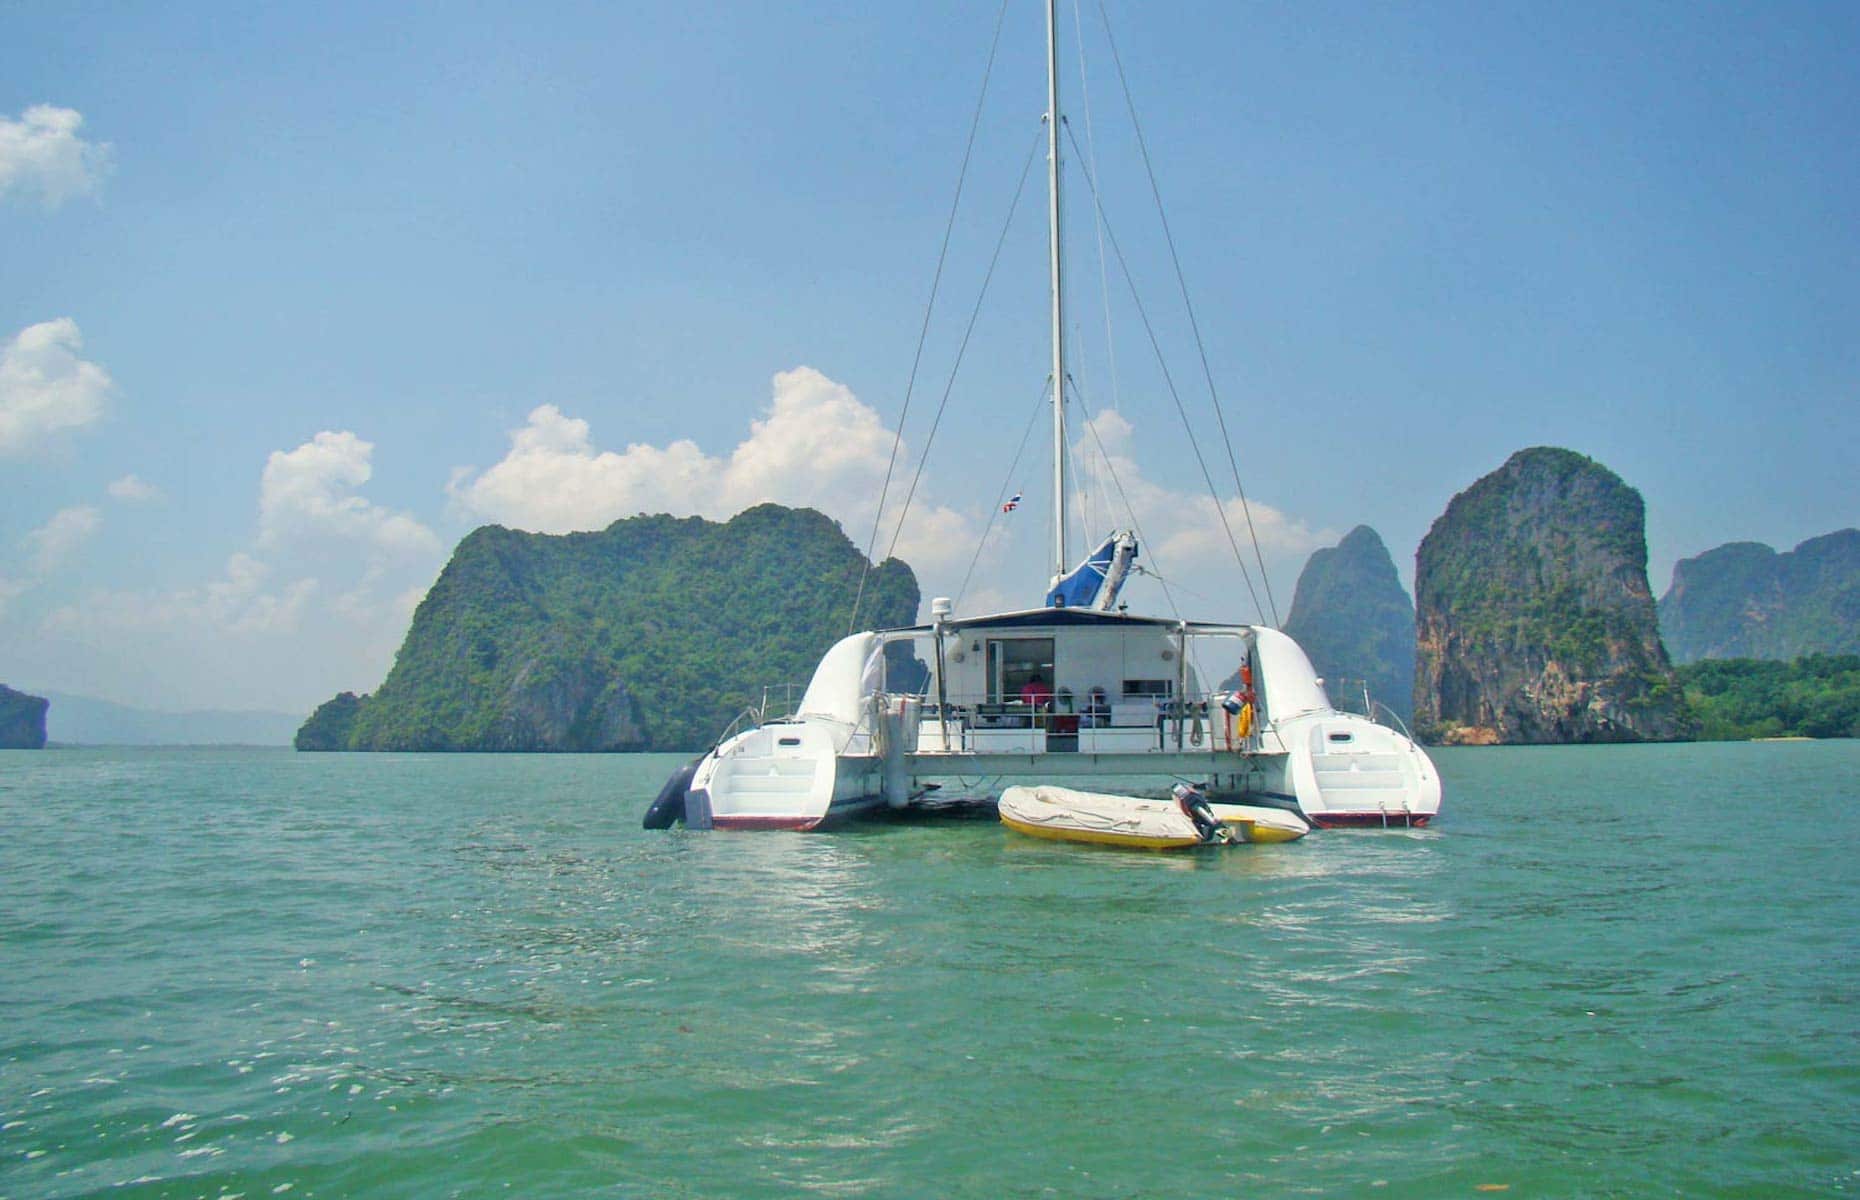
(1059, 358)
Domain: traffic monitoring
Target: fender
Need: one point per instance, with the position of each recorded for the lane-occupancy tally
(670, 805)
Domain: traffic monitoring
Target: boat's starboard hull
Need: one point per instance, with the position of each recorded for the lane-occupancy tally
(1371, 820)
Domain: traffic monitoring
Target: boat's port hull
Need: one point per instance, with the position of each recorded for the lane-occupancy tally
(745, 824)
(840, 812)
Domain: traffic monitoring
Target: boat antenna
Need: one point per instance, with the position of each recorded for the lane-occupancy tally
(1053, 254)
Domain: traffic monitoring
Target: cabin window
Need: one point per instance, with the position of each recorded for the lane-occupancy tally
(1341, 737)
(1013, 663)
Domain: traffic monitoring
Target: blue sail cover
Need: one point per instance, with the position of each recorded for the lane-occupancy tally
(1080, 587)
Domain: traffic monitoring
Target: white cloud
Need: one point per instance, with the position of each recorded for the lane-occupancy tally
(133, 490)
(307, 493)
(816, 445)
(45, 386)
(49, 546)
(554, 481)
(41, 154)
(236, 604)
(316, 603)
(52, 543)
(1187, 539)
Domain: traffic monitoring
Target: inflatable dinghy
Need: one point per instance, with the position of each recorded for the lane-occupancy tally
(1185, 820)
(1256, 823)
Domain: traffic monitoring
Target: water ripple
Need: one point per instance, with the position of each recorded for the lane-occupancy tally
(269, 974)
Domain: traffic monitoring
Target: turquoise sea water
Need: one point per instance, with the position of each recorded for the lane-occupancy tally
(1622, 971)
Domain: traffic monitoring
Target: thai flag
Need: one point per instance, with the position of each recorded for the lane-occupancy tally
(1012, 504)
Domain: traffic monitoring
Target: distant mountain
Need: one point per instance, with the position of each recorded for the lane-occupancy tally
(84, 721)
(22, 720)
(648, 635)
(1355, 622)
(1534, 622)
(1744, 600)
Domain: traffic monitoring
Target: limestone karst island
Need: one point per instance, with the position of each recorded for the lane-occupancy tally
(1533, 623)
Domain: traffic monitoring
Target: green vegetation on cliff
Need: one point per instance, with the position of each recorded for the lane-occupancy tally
(22, 720)
(648, 635)
(1816, 696)
(1744, 600)
(1534, 622)
(332, 725)
(1355, 622)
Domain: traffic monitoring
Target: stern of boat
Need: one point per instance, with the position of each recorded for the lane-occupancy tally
(776, 776)
(1349, 771)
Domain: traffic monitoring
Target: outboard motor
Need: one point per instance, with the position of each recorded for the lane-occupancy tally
(669, 808)
(1194, 806)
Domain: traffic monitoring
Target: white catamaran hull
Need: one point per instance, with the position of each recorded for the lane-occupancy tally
(853, 747)
(1077, 690)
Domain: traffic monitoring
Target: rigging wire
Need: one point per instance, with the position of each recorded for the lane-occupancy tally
(1130, 509)
(1087, 498)
(1175, 395)
(1136, 526)
(1091, 160)
(962, 348)
(1001, 496)
(1081, 497)
(1195, 325)
(923, 333)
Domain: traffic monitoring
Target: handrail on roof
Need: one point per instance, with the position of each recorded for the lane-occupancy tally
(1046, 617)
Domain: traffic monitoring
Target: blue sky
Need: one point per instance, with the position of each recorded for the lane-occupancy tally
(293, 297)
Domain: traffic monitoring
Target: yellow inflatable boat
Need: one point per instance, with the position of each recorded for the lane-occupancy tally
(1067, 815)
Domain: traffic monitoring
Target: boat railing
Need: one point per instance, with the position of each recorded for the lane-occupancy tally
(779, 700)
(1096, 722)
(777, 704)
(748, 718)
(1385, 711)
(1349, 695)
(1353, 696)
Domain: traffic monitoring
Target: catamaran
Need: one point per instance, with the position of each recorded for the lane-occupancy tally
(1076, 692)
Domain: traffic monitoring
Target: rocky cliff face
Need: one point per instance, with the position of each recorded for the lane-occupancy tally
(648, 635)
(22, 720)
(1534, 622)
(1355, 622)
(1744, 600)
